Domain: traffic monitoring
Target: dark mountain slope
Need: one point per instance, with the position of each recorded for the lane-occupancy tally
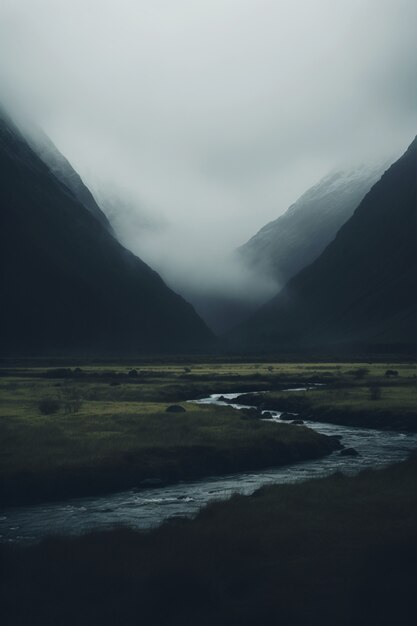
(63, 170)
(67, 285)
(362, 291)
(288, 244)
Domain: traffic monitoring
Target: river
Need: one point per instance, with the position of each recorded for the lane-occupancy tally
(148, 508)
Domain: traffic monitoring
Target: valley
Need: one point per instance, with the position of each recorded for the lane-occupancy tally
(196, 430)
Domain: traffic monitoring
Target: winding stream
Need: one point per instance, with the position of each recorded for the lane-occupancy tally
(147, 508)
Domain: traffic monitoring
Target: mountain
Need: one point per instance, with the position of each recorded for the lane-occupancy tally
(362, 290)
(294, 240)
(67, 285)
(63, 170)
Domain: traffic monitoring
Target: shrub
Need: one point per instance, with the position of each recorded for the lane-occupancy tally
(359, 373)
(48, 406)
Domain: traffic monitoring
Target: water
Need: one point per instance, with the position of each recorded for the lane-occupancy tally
(148, 508)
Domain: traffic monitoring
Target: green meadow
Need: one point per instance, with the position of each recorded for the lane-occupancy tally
(81, 430)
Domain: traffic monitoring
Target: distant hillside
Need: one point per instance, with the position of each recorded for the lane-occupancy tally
(362, 290)
(294, 240)
(67, 285)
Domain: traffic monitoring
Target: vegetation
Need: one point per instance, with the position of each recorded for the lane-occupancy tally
(48, 406)
(337, 551)
(111, 430)
(370, 400)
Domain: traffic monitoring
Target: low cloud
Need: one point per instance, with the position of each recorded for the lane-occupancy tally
(205, 120)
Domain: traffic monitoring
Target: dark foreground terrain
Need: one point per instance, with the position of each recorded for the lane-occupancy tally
(340, 551)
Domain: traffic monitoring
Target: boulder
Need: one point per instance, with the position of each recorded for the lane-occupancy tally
(349, 452)
(298, 422)
(175, 408)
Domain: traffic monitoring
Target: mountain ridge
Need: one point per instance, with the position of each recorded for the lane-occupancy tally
(362, 289)
(68, 284)
(62, 169)
(296, 238)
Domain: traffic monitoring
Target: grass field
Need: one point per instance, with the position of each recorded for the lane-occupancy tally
(109, 429)
(373, 400)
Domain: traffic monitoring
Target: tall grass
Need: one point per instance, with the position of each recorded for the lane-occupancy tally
(332, 552)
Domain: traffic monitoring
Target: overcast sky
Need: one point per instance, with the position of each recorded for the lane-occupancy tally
(207, 118)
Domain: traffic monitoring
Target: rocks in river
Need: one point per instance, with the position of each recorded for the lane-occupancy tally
(287, 416)
(297, 422)
(267, 415)
(349, 452)
(337, 440)
(228, 400)
(175, 408)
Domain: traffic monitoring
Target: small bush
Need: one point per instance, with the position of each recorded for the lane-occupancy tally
(48, 406)
(359, 373)
(391, 373)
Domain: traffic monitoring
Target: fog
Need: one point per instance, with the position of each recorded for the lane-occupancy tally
(195, 123)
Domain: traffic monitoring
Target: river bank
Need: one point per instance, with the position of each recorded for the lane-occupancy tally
(153, 503)
(338, 551)
(366, 404)
(335, 551)
(101, 450)
(77, 431)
